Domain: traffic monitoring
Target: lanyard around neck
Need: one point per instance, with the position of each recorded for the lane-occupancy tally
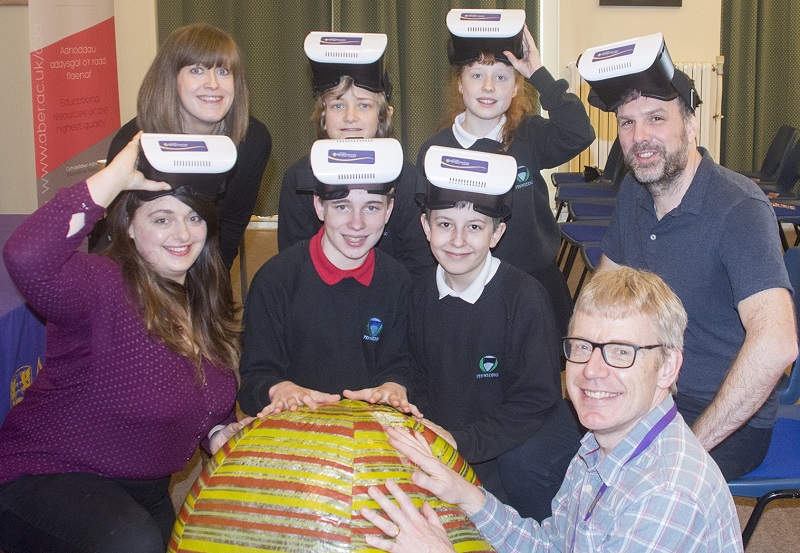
(648, 439)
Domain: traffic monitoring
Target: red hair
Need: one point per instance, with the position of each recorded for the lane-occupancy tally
(522, 104)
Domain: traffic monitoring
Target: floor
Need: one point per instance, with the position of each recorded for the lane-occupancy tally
(777, 532)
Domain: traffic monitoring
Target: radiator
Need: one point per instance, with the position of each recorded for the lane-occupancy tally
(708, 81)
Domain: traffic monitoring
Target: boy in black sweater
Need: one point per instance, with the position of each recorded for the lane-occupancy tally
(483, 338)
(329, 316)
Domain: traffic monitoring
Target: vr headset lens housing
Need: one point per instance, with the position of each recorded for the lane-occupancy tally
(456, 175)
(196, 165)
(642, 64)
(473, 32)
(366, 164)
(358, 55)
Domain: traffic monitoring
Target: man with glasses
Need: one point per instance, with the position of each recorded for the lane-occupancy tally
(641, 480)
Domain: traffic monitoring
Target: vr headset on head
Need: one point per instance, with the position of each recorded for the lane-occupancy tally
(473, 32)
(340, 166)
(481, 178)
(642, 64)
(192, 164)
(358, 55)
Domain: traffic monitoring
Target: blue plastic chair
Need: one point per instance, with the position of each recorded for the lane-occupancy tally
(590, 253)
(778, 476)
(787, 211)
(576, 234)
(785, 183)
(581, 211)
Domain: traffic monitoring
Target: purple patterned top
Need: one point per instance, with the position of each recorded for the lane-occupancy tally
(110, 400)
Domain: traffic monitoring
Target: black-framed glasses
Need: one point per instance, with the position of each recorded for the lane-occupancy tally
(615, 354)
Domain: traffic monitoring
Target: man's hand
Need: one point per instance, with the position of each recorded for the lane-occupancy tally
(411, 530)
(435, 476)
(448, 437)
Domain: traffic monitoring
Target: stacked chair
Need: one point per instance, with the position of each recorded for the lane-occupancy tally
(778, 176)
(572, 186)
(589, 206)
(784, 194)
(778, 476)
(775, 158)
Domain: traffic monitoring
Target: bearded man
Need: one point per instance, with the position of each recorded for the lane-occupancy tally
(711, 234)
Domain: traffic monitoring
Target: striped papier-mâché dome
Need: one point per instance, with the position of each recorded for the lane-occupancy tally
(295, 482)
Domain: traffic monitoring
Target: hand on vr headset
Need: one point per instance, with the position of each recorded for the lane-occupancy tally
(531, 59)
(120, 175)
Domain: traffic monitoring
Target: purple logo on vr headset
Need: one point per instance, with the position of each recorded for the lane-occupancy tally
(463, 164)
(480, 17)
(340, 40)
(174, 146)
(360, 157)
(620, 51)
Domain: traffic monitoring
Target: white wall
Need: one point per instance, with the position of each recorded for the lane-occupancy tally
(136, 46)
(692, 32)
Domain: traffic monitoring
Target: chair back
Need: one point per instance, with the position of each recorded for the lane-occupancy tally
(776, 154)
(615, 168)
(614, 155)
(789, 388)
(789, 171)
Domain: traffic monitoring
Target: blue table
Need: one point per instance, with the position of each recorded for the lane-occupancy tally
(21, 333)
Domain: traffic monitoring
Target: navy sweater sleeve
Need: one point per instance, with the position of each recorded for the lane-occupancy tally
(566, 132)
(265, 356)
(407, 240)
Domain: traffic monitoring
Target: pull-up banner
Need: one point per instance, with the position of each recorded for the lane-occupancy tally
(74, 89)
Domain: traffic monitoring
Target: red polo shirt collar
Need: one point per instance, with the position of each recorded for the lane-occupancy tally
(330, 273)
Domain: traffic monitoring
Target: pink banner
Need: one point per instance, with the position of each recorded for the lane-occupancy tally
(75, 99)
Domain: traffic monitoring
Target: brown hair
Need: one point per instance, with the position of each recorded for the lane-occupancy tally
(385, 129)
(158, 105)
(198, 319)
(521, 106)
(464, 204)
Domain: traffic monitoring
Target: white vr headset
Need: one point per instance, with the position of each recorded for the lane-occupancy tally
(481, 178)
(198, 162)
(342, 165)
(642, 64)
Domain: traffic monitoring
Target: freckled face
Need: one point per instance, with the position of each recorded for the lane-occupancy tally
(487, 91)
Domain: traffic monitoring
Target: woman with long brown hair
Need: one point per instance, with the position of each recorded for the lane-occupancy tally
(196, 85)
(140, 364)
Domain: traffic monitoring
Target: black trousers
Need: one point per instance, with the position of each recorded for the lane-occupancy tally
(80, 512)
